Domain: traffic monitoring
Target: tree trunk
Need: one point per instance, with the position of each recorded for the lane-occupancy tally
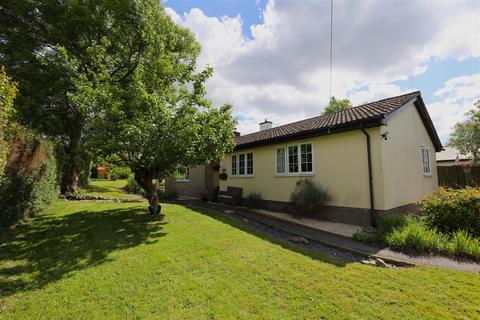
(145, 180)
(70, 173)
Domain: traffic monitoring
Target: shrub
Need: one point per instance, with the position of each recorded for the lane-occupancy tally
(417, 238)
(133, 186)
(30, 180)
(449, 210)
(411, 234)
(254, 200)
(166, 196)
(121, 172)
(8, 91)
(307, 197)
(387, 224)
(464, 245)
(368, 237)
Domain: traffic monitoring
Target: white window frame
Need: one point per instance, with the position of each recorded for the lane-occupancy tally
(284, 148)
(245, 162)
(300, 173)
(422, 160)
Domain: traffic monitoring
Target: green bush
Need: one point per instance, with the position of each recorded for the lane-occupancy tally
(411, 234)
(464, 245)
(387, 224)
(30, 180)
(120, 172)
(449, 210)
(167, 196)
(133, 186)
(308, 197)
(254, 200)
(416, 238)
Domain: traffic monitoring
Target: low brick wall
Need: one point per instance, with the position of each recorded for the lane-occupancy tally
(356, 216)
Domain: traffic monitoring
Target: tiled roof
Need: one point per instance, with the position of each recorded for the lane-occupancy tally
(450, 154)
(346, 119)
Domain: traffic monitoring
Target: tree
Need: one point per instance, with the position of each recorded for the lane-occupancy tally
(51, 46)
(466, 134)
(8, 90)
(160, 119)
(337, 105)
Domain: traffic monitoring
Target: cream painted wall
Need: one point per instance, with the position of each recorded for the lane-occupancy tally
(401, 153)
(340, 164)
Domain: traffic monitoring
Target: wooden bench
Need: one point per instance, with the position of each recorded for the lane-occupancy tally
(232, 196)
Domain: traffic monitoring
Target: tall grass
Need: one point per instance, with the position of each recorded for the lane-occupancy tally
(413, 235)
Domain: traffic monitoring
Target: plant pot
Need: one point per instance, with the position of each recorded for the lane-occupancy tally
(223, 176)
(216, 167)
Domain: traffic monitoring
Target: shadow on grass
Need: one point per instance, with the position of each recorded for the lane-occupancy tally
(53, 247)
(237, 222)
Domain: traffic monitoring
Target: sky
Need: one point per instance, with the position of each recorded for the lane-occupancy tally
(271, 59)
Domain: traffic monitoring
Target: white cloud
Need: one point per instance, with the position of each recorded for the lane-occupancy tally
(282, 72)
(455, 98)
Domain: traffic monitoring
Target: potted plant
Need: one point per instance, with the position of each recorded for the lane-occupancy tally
(216, 167)
(223, 175)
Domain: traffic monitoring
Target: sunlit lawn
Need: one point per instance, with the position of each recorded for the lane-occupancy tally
(107, 189)
(93, 260)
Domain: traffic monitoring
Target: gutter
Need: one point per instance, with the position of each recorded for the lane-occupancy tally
(370, 177)
(351, 126)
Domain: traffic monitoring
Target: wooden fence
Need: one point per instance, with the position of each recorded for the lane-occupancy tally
(455, 177)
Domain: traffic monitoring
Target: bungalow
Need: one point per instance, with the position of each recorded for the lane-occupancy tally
(374, 159)
(450, 156)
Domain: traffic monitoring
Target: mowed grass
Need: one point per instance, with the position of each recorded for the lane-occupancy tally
(107, 189)
(93, 260)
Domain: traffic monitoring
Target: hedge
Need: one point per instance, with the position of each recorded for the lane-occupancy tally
(29, 181)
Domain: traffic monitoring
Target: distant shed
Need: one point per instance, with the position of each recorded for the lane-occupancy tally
(102, 172)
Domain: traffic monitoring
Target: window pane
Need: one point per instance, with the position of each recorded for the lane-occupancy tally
(426, 161)
(293, 159)
(281, 160)
(250, 163)
(234, 165)
(306, 157)
(241, 164)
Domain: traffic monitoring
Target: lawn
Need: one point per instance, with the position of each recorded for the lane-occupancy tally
(107, 189)
(93, 260)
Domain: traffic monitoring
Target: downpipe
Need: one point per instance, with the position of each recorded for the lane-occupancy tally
(370, 178)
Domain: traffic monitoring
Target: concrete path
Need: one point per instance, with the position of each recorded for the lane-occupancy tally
(335, 240)
(342, 229)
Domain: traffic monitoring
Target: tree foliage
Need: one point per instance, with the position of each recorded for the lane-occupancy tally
(30, 177)
(8, 90)
(160, 119)
(466, 134)
(51, 46)
(117, 75)
(337, 105)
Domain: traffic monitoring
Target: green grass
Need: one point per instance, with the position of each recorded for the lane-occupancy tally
(93, 260)
(412, 235)
(108, 189)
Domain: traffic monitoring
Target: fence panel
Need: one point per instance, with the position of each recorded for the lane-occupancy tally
(454, 177)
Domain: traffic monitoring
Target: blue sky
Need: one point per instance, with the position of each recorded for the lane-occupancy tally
(271, 58)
